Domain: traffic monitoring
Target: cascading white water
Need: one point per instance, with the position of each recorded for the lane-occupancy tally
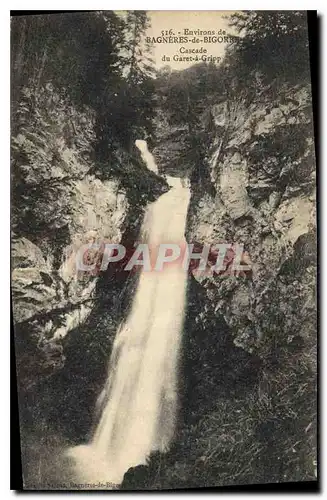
(139, 400)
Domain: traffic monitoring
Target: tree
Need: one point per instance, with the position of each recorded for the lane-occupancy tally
(273, 43)
(96, 59)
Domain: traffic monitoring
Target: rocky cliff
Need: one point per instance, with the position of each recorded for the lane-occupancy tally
(63, 199)
(243, 135)
(248, 367)
(262, 170)
(250, 341)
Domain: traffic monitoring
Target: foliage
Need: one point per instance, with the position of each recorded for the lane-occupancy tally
(94, 60)
(262, 432)
(256, 427)
(184, 102)
(273, 43)
(262, 427)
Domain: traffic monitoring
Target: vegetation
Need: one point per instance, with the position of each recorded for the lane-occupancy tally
(258, 426)
(87, 78)
(82, 86)
(96, 59)
(273, 44)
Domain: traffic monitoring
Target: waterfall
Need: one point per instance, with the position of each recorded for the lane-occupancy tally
(139, 400)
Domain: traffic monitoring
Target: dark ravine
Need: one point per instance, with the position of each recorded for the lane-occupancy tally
(248, 365)
(59, 319)
(251, 341)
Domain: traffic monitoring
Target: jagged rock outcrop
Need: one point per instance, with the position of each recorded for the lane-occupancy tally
(262, 167)
(62, 199)
(249, 367)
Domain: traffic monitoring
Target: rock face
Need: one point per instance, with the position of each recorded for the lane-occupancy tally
(248, 371)
(262, 167)
(249, 366)
(61, 202)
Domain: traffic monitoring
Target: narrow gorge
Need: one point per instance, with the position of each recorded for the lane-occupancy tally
(211, 379)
